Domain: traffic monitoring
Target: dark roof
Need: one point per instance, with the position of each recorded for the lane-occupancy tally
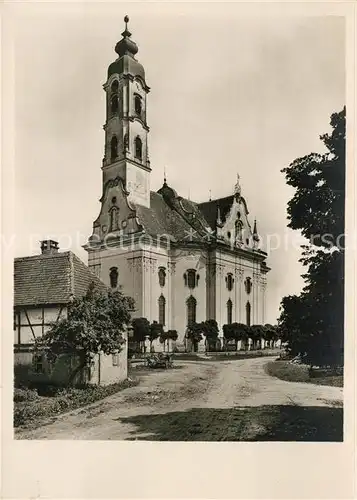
(210, 209)
(51, 279)
(176, 219)
(127, 65)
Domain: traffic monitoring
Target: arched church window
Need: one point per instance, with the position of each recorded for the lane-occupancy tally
(114, 148)
(113, 277)
(114, 104)
(238, 230)
(247, 312)
(229, 281)
(114, 86)
(229, 312)
(113, 222)
(162, 276)
(191, 278)
(138, 148)
(162, 307)
(191, 311)
(138, 105)
(248, 285)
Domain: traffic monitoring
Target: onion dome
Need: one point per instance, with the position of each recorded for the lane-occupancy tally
(168, 194)
(126, 49)
(126, 46)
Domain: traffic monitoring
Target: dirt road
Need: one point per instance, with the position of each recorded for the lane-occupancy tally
(207, 401)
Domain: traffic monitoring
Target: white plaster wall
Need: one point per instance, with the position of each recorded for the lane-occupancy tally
(180, 293)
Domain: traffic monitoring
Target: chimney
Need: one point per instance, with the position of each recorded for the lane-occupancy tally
(49, 247)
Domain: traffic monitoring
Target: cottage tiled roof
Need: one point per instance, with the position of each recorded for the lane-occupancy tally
(51, 279)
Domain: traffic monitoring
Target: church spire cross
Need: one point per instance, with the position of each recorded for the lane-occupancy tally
(237, 187)
(126, 32)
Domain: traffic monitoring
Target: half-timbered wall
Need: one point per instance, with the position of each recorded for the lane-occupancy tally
(32, 322)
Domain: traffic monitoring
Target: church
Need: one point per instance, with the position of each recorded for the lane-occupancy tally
(181, 261)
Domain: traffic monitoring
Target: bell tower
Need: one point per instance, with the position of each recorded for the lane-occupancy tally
(126, 130)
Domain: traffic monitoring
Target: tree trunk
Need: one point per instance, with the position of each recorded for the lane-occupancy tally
(78, 369)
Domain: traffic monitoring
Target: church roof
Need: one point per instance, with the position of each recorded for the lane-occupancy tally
(210, 209)
(51, 279)
(176, 221)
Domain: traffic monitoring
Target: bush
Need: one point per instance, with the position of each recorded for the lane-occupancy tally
(27, 412)
(24, 395)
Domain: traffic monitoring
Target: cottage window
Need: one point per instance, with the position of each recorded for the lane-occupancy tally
(248, 311)
(229, 281)
(37, 362)
(162, 276)
(138, 148)
(115, 359)
(191, 311)
(162, 306)
(113, 276)
(114, 148)
(229, 312)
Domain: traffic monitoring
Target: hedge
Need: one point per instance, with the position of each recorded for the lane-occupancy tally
(27, 411)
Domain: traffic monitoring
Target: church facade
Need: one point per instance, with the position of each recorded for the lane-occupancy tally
(182, 262)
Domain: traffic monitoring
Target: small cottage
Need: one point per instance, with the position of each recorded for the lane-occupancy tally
(44, 286)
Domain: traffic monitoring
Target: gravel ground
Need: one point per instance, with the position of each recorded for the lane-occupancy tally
(206, 401)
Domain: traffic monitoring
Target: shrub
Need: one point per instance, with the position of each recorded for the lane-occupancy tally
(27, 412)
(24, 395)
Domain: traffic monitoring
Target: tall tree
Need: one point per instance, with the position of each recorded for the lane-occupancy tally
(312, 323)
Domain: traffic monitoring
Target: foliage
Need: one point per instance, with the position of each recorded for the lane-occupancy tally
(94, 324)
(312, 323)
(194, 332)
(156, 330)
(170, 334)
(32, 412)
(24, 395)
(141, 329)
(271, 332)
(210, 329)
(243, 331)
(230, 331)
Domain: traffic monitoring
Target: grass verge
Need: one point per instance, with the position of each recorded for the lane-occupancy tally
(218, 356)
(301, 373)
(30, 409)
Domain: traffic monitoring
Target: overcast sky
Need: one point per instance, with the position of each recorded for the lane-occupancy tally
(229, 94)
